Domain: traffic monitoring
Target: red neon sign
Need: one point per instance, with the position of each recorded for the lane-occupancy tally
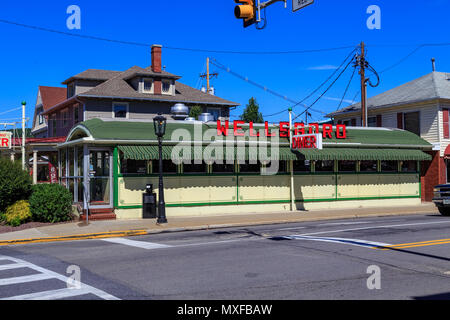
(328, 131)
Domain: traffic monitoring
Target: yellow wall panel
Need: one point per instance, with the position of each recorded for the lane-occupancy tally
(311, 187)
(369, 185)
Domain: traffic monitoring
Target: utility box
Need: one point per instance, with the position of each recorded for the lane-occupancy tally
(149, 203)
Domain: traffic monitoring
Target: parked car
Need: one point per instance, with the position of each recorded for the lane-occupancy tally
(442, 198)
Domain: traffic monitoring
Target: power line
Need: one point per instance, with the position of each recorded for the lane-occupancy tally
(329, 87)
(246, 79)
(11, 110)
(328, 79)
(141, 44)
(346, 89)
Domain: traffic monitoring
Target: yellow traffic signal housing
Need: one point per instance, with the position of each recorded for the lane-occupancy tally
(246, 11)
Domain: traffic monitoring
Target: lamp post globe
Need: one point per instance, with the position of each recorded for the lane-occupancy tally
(159, 123)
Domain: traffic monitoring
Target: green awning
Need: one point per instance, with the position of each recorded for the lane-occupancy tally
(363, 154)
(282, 153)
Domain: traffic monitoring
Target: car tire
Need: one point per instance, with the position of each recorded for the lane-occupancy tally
(445, 211)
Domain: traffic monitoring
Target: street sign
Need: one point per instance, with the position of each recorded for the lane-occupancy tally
(307, 141)
(300, 4)
(5, 140)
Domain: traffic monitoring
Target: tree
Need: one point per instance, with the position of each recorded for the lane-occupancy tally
(251, 112)
(195, 112)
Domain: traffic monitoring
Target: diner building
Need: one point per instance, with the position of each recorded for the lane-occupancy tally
(224, 168)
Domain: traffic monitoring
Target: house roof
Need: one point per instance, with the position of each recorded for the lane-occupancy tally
(52, 96)
(117, 87)
(93, 74)
(435, 85)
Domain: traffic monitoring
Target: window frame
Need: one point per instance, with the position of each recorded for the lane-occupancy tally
(219, 109)
(374, 123)
(114, 104)
(152, 90)
(76, 114)
(169, 91)
(419, 121)
(70, 90)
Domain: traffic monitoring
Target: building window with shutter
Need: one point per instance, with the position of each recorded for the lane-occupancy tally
(411, 122)
(372, 121)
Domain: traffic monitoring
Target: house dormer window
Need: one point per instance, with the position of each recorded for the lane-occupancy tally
(166, 87)
(147, 86)
(40, 116)
(70, 90)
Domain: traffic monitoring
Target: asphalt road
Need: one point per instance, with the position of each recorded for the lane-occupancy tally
(405, 257)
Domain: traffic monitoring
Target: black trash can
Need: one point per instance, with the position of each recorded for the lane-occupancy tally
(149, 203)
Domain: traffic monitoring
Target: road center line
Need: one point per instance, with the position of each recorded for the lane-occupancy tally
(354, 242)
(375, 227)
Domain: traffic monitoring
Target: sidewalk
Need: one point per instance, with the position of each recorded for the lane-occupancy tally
(116, 228)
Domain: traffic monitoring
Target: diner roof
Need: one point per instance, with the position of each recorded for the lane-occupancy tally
(143, 132)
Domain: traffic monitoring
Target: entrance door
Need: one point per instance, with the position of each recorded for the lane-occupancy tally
(447, 164)
(100, 172)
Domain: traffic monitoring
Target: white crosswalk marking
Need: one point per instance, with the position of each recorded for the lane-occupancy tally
(51, 295)
(45, 274)
(138, 244)
(12, 266)
(34, 277)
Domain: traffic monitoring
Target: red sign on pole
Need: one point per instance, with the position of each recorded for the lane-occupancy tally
(5, 140)
(307, 141)
(53, 173)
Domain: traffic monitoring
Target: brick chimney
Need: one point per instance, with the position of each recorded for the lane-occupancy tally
(156, 58)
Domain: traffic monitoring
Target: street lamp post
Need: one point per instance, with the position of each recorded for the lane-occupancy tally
(159, 123)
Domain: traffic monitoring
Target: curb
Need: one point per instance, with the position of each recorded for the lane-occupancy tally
(141, 232)
(100, 235)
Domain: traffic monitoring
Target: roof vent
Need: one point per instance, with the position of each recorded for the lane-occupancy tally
(179, 111)
(206, 117)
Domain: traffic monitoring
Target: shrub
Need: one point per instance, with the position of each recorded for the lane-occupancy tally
(50, 203)
(15, 183)
(18, 213)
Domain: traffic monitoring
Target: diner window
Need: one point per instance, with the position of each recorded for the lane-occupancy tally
(408, 166)
(411, 122)
(130, 166)
(250, 168)
(193, 168)
(347, 166)
(324, 166)
(302, 166)
(282, 166)
(368, 166)
(389, 166)
(168, 167)
(120, 110)
(222, 168)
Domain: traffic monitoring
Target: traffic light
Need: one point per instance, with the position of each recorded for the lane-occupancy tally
(247, 11)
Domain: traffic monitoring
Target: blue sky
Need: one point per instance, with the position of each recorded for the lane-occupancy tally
(30, 58)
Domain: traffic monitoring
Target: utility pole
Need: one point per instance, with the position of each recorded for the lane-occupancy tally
(291, 162)
(208, 76)
(362, 72)
(23, 135)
